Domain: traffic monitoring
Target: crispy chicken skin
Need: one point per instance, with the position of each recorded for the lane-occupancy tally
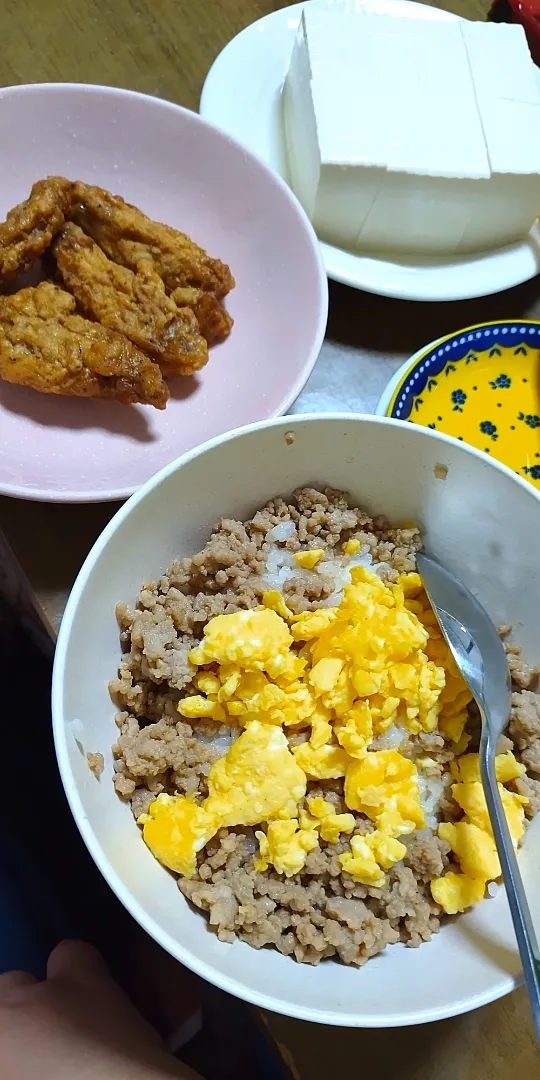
(132, 303)
(47, 347)
(126, 235)
(31, 226)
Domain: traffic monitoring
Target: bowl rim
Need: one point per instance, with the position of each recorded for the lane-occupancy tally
(389, 395)
(233, 985)
(319, 326)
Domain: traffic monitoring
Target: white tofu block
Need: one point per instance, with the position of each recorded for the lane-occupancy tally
(441, 132)
(429, 215)
(316, 138)
(500, 61)
(301, 137)
(508, 100)
(409, 135)
(510, 201)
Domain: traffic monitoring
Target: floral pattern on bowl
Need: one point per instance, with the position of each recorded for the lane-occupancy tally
(481, 385)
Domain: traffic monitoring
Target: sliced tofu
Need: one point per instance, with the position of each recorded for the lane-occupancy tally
(508, 100)
(401, 138)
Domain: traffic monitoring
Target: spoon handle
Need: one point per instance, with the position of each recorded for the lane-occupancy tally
(517, 900)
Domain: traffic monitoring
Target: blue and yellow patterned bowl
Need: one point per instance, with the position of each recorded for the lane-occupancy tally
(481, 385)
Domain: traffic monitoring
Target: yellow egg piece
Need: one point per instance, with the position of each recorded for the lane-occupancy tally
(324, 763)
(309, 559)
(475, 849)
(321, 728)
(310, 624)
(411, 586)
(325, 674)
(467, 768)
(198, 706)
(453, 726)
(355, 730)
(207, 683)
(457, 892)
(285, 846)
(385, 782)
(256, 780)
(273, 599)
(470, 797)
(175, 829)
(387, 849)
(361, 864)
(352, 547)
(370, 855)
(331, 825)
(254, 639)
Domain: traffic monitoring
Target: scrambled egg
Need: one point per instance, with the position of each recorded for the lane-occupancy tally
(255, 640)
(335, 679)
(384, 786)
(256, 780)
(308, 559)
(456, 892)
(370, 855)
(287, 843)
(471, 839)
(175, 829)
(324, 817)
(323, 763)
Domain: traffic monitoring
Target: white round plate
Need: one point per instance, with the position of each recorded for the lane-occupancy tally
(242, 95)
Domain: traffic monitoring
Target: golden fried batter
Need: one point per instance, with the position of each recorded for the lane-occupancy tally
(134, 304)
(126, 235)
(45, 346)
(30, 227)
(214, 322)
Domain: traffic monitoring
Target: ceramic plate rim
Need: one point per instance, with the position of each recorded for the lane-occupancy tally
(502, 987)
(96, 495)
(393, 385)
(473, 276)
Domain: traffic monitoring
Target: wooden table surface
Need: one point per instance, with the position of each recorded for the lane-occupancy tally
(165, 47)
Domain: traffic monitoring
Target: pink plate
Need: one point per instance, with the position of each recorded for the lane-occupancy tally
(180, 170)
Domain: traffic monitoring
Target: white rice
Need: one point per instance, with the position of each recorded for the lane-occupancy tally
(281, 565)
(282, 531)
(222, 739)
(431, 791)
(390, 739)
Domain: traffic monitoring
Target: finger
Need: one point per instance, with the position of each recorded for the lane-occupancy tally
(15, 980)
(77, 961)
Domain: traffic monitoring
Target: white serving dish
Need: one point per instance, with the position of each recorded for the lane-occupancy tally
(389, 467)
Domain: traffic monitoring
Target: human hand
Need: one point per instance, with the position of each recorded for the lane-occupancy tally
(77, 1025)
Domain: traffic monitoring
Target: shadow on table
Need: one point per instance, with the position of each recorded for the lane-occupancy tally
(384, 325)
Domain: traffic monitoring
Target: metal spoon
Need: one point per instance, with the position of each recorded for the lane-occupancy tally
(480, 656)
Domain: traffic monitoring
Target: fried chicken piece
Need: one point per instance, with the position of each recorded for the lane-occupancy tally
(30, 227)
(214, 322)
(134, 304)
(45, 346)
(126, 235)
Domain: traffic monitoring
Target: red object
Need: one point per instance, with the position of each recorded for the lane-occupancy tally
(524, 12)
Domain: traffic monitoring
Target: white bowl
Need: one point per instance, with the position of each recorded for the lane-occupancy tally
(482, 521)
